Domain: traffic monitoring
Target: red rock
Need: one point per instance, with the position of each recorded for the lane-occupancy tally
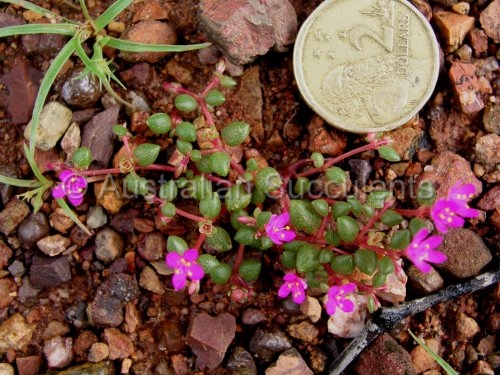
(479, 41)
(326, 141)
(209, 338)
(83, 342)
(446, 169)
(289, 362)
(488, 151)
(385, 356)
(5, 254)
(490, 200)
(8, 291)
(150, 10)
(245, 29)
(28, 365)
(120, 345)
(453, 28)
(464, 80)
(21, 82)
(489, 20)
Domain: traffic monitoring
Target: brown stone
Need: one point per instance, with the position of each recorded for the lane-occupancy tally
(12, 215)
(15, 333)
(150, 10)
(467, 254)
(488, 151)
(478, 41)
(5, 254)
(28, 365)
(453, 28)
(21, 81)
(490, 200)
(289, 362)
(384, 356)
(489, 20)
(8, 291)
(423, 7)
(464, 80)
(325, 141)
(422, 360)
(149, 31)
(209, 338)
(120, 345)
(83, 342)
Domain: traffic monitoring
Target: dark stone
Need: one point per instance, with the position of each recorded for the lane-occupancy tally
(48, 272)
(266, 344)
(28, 365)
(490, 200)
(360, 170)
(81, 91)
(152, 246)
(170, 336)
(7, 20)
(124, 221)
(20, 82)
(76, 315)
(138, 75)
(32, 229)
(241, 362)
(98, 135)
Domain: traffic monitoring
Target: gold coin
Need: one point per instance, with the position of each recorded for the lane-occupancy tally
(366, 65)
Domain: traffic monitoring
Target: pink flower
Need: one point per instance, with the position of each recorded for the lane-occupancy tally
(184, 266)
(337, 297)
(421, 250)
(295, 285)
(278, 230)
(72, 186)
(449, 212)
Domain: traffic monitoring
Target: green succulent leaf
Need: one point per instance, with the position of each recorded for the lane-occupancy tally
(263, 218)
(400, 239)
(304, 217)
(208, 262)
(355, 204)
(221, 273)
(416, 225)
(318, 159)
(386, 265)
(366, 261)
(159, 123)
(184, 147)
(308, 258)
(388, 153)
(289, 259)
(136, 184)
(119, 130)
(268, 179)
(391, 218)
(321, 207)
(301, 186)
(227, 81)
(168, 191)
(219, 240)
(237, 198)
(168, 209)
(245, 235)
(186, 131)
(146, 154)
(347, 228)
(332, 238)
(343, 264)
(336, 175)
(340, 209)
(325, 256)
(235, 133)
(379, 279)
(185, 103)
(377, 198)
(214, 98)
(426, 194)
(210, 206)
(250, 270)
(220, 163)
(177, 244)
(82, 157)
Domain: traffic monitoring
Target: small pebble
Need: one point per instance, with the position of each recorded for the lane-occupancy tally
(58, 352)
(99, 351)
(108, 245)
(6, 369)
(120, 345)
(265, 344)
(53, 245)
(149, 280)
(466, 327)
(96, 217)
(81, 91)
(241, 362)
(289, 359)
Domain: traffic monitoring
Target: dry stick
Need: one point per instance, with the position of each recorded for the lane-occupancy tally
(387, 317)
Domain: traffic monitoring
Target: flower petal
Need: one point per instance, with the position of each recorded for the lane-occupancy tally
(75, 199)
(190, 255)
(290, 277)
(420, 235)
(65, 175)
(173, 259)
(197, 272)
(58, 191)
(421, 265)
(179, 280)
(284, 290)
(330, 305)
(436, 257)
(346, 305)
(348, 288)
(298, 295)
(432, 241)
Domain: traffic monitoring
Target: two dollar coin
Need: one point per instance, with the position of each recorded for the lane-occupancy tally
(366, 65)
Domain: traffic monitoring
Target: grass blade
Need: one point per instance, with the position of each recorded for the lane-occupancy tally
(72, 215)
(110, 13)
(39, 10)
(38, 29)
(446, 367)
(45, 86)
(19, 182)
(125, 45)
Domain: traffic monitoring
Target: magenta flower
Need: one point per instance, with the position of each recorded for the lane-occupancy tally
(450, 212)
(278, 230)
(337, 296)
(72, 186)
(421, 250)
(295, 285)
(184, 266)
